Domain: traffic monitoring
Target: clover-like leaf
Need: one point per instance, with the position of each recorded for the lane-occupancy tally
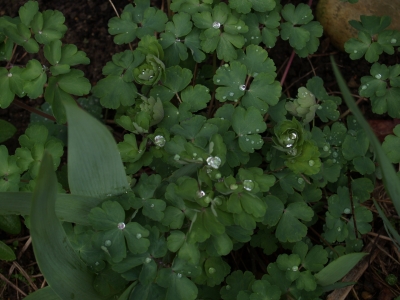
(237, 281)
(48, 26)
(232, 78)
(262, 289)
(248, 124)
(9, 171)
(289, 228)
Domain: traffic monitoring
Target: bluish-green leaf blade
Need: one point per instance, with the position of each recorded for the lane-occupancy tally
(94, 164)
(61, 266)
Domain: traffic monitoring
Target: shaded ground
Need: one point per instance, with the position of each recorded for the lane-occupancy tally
(87, 24)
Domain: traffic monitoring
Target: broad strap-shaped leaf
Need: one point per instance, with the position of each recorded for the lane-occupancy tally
(67, 275)
(94, 164)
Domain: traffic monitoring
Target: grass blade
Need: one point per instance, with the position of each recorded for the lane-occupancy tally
(390, 180)
(61, 266)
(69, 208)
(94, 164)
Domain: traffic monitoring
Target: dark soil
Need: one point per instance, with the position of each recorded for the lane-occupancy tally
(87, 29)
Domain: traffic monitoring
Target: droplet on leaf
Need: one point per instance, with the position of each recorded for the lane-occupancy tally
(201, 194)
(107, 243)
(179, 275)
(138, 236)
(393, 41)
(214, 162)
(233, 186)
(159, 140)
(295, 268)
(216, 25)
(121, 225)
(300, 180)
(378, 76)
(325, 148)
(211, 270)
(347, 211)
(248, 185)
(148, 260)
(311, 162)
(242, 87)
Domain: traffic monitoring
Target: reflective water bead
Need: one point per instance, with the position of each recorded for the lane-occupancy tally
(300, 180)
(311, 162)
(295, 268)
(152, 205)
(363, 87)
(240, 27)
(325, 148)
(293, 135)
(231, 94)
(248, 185)
(121, 225)
(228, 287)
(255, 74)
(96, 263)
(393, 41)
(355, 51)
(201, 194)
(339, 229)
(242, 87)
(347, 211)
(292, 152)
(207, 199)
(378, 76)
(159, 140)
(107, 243)
(335, 154)
(9, 74)
(179, 275)
(211, 270)
(177, 157)
(214, 162)
(138, 236)
(148, 260)
(216, 25)
(218, 80)
(233, 186)
(320, 107)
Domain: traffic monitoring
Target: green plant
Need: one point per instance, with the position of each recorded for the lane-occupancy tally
(224, 161)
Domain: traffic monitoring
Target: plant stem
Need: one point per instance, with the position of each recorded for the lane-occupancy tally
(33, 110)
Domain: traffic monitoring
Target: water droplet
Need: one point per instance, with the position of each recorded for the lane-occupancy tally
(214, 162)
(378, 76)
(40, 32)
(216, 25)
(218, 80)
(325, 148)
(107, 243)
(231, 94)
(333, 160)
(148, 260)
(335, 154)
(295, 268)
(233, 186)
(228, 287)
(178, 40)
(257, 130)
(96, 263)
(159, 140)
(179, 275)
(201, 194)
(311, 162)
(207, 199)
(300, 180)
(320, 107)
(211, 270)
(255, 74)
(240, 27)
(355, 51)
(176, 157)
(138, 236)
(364, 87)
(121, 225)
(9, 74)
(347, 211)
(224, 97)
(248, 185)
(293, 135)
(242, 87)
(393, 41)
(152, 205)
(292, 152)
(339, 229)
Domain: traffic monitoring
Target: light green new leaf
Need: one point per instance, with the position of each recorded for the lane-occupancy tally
(338, 268)
(94, 163)
(67, 275)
